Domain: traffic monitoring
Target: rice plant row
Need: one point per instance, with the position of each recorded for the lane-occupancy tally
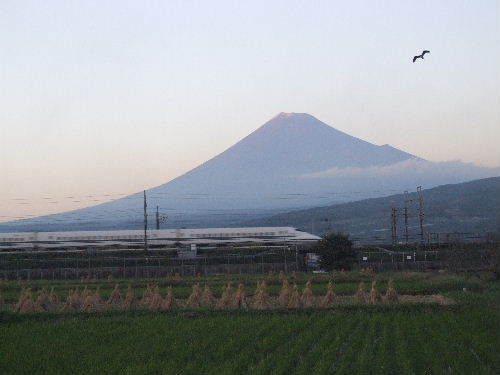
(395, 342)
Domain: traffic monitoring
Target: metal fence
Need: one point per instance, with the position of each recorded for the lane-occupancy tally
(128, 267)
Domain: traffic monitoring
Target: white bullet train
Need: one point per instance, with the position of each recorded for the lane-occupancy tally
(134, 238)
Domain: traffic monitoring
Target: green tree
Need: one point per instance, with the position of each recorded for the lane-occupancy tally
(335, 251)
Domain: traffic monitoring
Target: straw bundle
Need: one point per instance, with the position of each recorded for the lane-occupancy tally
(97, 297)
(194, 300)
(86, 292)
(294, 300)
(285, 293)
(240, 301)
(115, 298)
(54, 298)
(72, 302)
(169, 302)
(146, 296)
(208, 298)
(43, 301)
(329, 297)
(110, 278)
(374, 293)
(391, 295)
(360, 296)
(20, 301)
(155, 301)
(89, 303)
(77, 297)
(282, 276)
(261, 299)
(25, 302)
(307, 299)
(227, 297)
(129, 300)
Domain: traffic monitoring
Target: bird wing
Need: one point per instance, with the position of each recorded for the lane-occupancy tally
(424, 52)
(415, 57)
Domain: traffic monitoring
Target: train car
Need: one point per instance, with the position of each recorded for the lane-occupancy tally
(134, 238)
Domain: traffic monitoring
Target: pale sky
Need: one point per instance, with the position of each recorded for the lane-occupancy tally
(104, 98)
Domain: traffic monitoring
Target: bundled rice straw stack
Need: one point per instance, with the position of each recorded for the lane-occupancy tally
(169, 301)
(391, 295)
(54, 298)
(374, 293)
(294, 300)
(207, 299)
(25, 302)
(307, 299)
(285, 293)
(72, 301)
(360, 296)
(194, 300)
(115, 298)
(261, 299)
(239, 300)
(89, 302)
(97, 297)
(43, 301)
(155, 301)
(282, 276)
(329, 297)
(85, 293)
(77, 297)
(146, 296)
(129, 300)
(227, 297)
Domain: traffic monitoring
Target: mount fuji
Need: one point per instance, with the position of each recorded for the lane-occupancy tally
(293, 161)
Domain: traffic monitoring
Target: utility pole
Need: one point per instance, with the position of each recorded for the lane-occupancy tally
(145, 222)
(406, 221)
(328, 225)
(421, 212)
(157, 218)
(394, 216)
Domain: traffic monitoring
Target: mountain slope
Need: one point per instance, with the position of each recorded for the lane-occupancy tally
(466, 207)
(292, 161)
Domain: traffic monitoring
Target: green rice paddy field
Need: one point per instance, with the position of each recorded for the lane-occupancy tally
(459, 338)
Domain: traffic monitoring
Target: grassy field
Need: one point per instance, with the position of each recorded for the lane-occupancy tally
(461, 338)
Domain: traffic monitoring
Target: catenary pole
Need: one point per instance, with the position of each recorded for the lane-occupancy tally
(145, 222)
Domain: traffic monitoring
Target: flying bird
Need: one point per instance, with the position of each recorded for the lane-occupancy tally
(420, 56)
